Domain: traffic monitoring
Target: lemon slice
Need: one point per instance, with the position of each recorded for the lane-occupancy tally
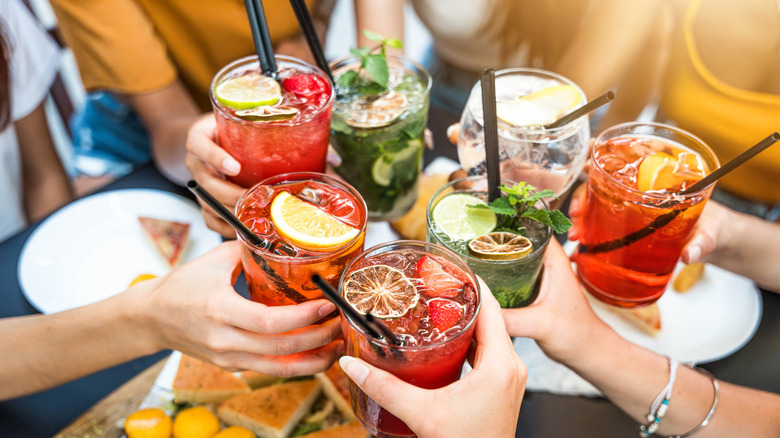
(306, 226)
(248, 91)
(661, 171)
(459, 221)
(500, 246)
(539, 108)
(381, 290)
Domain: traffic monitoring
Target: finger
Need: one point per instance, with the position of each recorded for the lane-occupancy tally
(300, 364)
(493, 341)
(214, 222)
(200, 142)
(225, 257)
(226, 192)
(260, 318)
(388, 391)
(699, 246)
(281, 344)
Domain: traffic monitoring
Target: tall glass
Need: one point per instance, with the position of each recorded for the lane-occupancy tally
(267, 147)
(429, 358)
(545, 158)
(281, 278)
(380, 138)
(510, 281)
(636, 221)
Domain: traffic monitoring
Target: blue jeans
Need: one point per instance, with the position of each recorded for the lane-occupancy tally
(108, 137)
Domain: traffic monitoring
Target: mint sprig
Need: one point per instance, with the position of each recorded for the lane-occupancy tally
(519, 203)
(374, 64)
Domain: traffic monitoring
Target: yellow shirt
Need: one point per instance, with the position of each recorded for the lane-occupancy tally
(727, 118)
(139, 46)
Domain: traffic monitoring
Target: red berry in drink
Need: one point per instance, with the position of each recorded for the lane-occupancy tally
(436, 281)
(304, 85)
(444, 314)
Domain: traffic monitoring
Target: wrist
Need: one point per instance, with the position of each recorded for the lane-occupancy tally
(140, 316)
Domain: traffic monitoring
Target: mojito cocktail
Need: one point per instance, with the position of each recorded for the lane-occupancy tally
(318, 223)
(636, 221)
(272, 127)
(511, 267)
(379, 137)
(429, 299)
(526, 100)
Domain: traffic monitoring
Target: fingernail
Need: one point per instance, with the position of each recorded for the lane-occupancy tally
(354, 369)
(231, 166)
(326, 309)
(694, 254)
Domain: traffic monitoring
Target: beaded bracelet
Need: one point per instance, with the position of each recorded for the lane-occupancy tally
(661, 403)
(706, 421)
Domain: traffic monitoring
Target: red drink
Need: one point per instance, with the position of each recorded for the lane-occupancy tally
(439, 298)
(271, 147)
(284, 277)
(636, 222)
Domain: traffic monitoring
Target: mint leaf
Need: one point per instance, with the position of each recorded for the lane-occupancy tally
(346, 79)
(373, 36)
(559, 223)
(376, 66)
(534, 197)
(359, 53)
(538, 215)
(394, 43)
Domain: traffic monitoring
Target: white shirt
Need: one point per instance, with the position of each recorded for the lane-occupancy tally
(34, 62)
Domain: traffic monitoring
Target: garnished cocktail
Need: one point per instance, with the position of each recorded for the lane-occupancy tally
(636, 221)
(271, 128)
(378, 131)
(429, 299)
(526, 100)
(317, 224)
(503, 242)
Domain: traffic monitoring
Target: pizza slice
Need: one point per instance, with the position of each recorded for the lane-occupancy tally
(170, 238)
(647, 318)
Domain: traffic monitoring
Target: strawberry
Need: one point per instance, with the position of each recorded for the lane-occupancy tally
(304, 85)
(444, 314)
(436, 281)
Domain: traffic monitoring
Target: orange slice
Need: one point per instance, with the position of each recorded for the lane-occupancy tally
(381, 290)
(307, 226)
(140, 278)
(500, 246)
(661, 171)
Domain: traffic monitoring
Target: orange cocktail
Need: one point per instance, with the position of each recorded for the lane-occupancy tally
(317, 224)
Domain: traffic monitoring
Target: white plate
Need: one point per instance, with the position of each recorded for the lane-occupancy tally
(93, 248)
(712, 320)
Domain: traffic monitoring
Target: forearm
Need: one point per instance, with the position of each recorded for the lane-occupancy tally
(43, 351)
(385, 17)
(169, 149)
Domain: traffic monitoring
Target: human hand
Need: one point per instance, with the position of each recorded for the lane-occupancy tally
(195, 309)
(208, 164)
(576, 211)
(496, 385)
(712, 236)
(560, 319)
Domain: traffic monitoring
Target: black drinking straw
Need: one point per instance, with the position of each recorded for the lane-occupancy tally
(488, 82)
(307, 25)
(581, 111)
(370, 325)
(261, 37)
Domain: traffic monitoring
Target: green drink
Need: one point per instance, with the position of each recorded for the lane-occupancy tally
(378, 132)
(505, 250)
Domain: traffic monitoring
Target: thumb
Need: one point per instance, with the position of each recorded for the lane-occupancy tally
(700, 245)
(388, 391)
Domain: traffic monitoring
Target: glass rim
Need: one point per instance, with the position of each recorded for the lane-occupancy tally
(532, 129)
(417, 243)
(302, 177)
(655, 196)
(218, 107)
(469, 257)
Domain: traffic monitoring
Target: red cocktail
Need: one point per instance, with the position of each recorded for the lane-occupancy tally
(429, 299)
(636, 220)
(284, 131)
(318, 225)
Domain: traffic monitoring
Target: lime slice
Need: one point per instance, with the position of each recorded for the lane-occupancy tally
(459, 221)
(248, 91)
(382, 170)
(500, 246)
(381, 290)
(539, 108)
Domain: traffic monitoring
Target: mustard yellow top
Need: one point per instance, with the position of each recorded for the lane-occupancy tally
(139, 46)
(727, 118)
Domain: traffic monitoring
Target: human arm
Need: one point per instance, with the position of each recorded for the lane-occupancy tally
(385, 17)
(565, 327)
(194, 309)
(496, 385)
(44, 181)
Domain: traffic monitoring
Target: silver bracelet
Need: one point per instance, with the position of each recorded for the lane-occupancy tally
(707, 419)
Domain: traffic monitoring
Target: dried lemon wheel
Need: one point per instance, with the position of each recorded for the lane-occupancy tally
(381, 290)
(500, 245)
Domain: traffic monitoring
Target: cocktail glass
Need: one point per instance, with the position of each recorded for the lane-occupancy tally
(428, 358)
(631, 237)
(545, 158)
(380, 138)
(272, 147)
(510, 281)
(284, 277)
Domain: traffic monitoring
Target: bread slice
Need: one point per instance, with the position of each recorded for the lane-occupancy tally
(201, 382)
(335, 385)
(257, 380)
(273, 411)
(170, 238)
(349, 430)
(647, 318)
(413, 224)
